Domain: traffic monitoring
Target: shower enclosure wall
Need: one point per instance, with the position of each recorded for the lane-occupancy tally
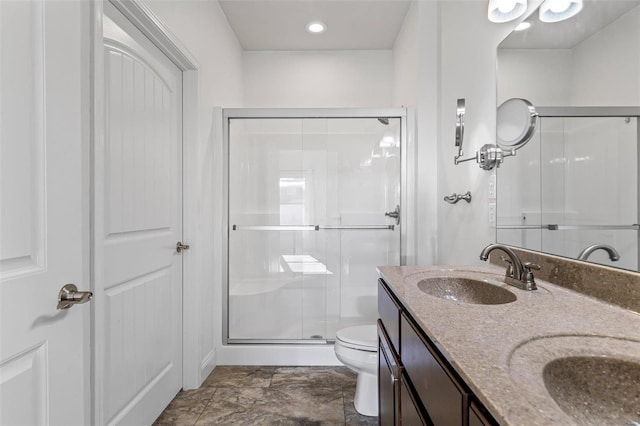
(575, 185)
(312, 196)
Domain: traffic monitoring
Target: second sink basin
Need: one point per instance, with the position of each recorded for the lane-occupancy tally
(466, 290)
(580, 379)
(595, 390)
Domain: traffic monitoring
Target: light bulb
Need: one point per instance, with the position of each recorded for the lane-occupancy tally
(559, 10)
(559, 6)
(506, 10)
(316, 27)
(506, 6)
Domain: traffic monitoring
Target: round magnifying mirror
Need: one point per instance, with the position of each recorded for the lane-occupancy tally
(516, 122)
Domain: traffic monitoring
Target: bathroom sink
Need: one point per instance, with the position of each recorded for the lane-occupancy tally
(466, 290)
(580, 379)
(595, 390)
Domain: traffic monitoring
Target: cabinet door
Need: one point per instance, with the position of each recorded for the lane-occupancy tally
(388, 379)
(389, 311)
(478, 416)
(443, 398)
(410, 414)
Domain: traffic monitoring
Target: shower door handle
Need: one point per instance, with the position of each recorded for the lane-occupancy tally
(394, 214)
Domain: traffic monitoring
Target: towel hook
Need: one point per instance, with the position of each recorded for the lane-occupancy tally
(454, 198)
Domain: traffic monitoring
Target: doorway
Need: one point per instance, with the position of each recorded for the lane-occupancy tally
(144, 87)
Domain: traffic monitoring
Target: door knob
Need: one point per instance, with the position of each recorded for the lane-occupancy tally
(180, 246)
(394, 214)
(69, 296)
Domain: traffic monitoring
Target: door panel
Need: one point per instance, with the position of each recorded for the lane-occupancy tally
(140, 155)
(141, 222)
(42, 349)
(23, 179)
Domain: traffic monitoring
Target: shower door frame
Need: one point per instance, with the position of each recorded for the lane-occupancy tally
(597, 112)
(407, 186)
(590, 112)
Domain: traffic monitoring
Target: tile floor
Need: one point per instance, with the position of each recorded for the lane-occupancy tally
(241, 395)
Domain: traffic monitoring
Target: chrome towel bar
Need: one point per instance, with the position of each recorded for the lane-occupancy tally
(309, 227)
(275, 227)
(556, 227)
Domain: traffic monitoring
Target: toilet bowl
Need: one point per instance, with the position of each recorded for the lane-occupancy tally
(357, 348)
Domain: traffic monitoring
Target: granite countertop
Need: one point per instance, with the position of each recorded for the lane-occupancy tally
(500, 350)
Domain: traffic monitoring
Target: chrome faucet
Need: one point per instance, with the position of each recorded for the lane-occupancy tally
(613, 253)
(518, 274)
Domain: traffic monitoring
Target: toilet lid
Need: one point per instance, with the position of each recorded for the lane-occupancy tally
(361, 336)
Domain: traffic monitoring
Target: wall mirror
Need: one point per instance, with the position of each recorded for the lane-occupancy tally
(572, 190)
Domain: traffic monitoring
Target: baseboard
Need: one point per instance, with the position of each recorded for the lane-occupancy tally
(207, 365)
(291, 355)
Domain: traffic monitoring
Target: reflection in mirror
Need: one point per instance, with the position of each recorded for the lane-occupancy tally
(460, 111)
(575, 184)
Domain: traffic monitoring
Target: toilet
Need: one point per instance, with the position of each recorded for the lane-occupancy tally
(357, 348)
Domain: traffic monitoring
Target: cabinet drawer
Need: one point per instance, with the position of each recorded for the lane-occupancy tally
(389, 311)
(444, 399)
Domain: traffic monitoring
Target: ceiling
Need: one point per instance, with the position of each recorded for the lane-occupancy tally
(351, 24)
(595, 15)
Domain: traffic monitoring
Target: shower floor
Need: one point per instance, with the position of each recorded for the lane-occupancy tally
(256, 395)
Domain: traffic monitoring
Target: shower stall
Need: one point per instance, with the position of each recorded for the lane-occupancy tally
(575, 185)
(314, 205)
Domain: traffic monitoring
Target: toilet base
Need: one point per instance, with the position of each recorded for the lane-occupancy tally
(366, 399)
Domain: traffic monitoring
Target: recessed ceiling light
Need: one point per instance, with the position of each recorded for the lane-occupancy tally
(523, 26)
(316, 27)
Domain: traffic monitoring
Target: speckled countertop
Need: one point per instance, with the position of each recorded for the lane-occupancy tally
(500, 351)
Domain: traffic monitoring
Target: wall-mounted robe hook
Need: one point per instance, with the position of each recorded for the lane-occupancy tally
(454, 198)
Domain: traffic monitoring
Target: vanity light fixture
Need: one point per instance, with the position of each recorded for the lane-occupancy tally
(316, 27)
(559, 10)
(506, 10)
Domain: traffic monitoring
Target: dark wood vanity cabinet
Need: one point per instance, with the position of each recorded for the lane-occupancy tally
(416, 384)
(396, 399)
(411, 413)
(442, 396)
(478, 416)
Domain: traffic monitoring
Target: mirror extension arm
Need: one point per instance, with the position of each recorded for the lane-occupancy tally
(515, 114)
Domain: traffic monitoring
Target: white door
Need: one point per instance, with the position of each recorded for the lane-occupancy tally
(43, 372)
(138, 221)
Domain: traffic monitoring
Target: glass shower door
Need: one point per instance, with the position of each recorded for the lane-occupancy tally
(307, 228)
